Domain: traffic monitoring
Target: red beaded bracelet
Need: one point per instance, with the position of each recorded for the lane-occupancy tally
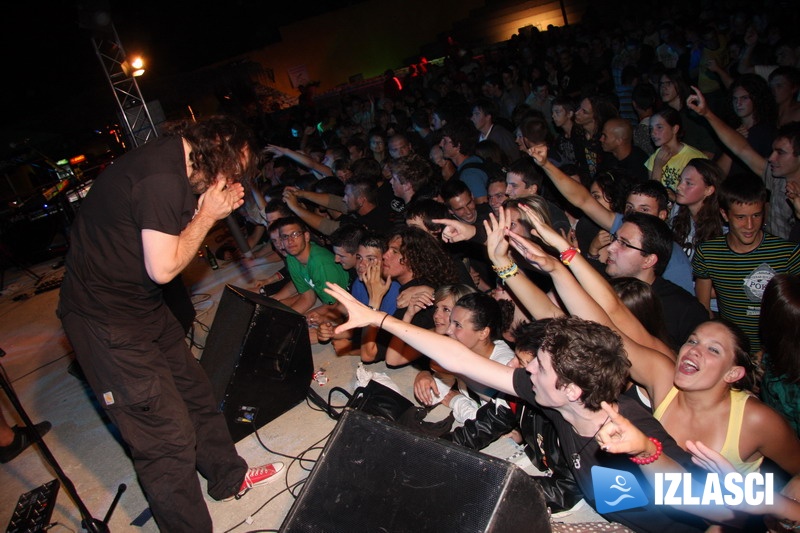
(650, 458)
(568, 255)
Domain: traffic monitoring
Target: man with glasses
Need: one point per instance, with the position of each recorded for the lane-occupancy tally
(309, 265)
(649, 197)
(641, 248)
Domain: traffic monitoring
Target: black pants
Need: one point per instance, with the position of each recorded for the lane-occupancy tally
(159, 397)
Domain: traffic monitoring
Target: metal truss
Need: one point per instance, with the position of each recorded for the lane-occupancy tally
(132, 107)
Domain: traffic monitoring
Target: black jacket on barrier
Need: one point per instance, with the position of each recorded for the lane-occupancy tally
(495, 419)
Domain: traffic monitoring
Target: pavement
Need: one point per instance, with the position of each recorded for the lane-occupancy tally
(88, 448)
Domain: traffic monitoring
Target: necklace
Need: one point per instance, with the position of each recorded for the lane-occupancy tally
(576, 457)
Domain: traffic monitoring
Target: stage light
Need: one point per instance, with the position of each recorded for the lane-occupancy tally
(133, 66)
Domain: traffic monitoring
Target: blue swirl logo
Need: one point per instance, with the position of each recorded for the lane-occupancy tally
(616, 490)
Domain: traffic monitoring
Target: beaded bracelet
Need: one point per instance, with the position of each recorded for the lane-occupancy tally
(650, 458)
(568, 255)
(501, 269)
(513, 270)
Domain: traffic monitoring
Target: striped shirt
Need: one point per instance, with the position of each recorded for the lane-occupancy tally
(740, 279)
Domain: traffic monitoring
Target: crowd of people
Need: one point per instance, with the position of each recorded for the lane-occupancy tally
(585, 238)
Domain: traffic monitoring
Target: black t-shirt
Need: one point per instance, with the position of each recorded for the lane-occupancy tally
(147, 188)
(391, 205)
(682, 311)
(632, 166)
(649, 518)
(377, 220)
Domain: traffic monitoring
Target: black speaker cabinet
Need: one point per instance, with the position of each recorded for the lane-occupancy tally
(376, 476)
(258, 358)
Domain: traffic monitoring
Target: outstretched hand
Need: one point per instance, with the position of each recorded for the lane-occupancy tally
(275, 150)
(709, 459)
(544, 230)
(359, 315)
(496, 240)
(455, 230)
(532, 252)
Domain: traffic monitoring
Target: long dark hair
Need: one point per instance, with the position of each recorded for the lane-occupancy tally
(764, 107)
(639, 298)
(671, 117)
(217, 143)
(779, 326)
(425, 256)
(708, 224)
(741, 356)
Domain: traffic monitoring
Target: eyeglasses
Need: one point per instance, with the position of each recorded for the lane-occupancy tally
(626, 244)
(292, 236)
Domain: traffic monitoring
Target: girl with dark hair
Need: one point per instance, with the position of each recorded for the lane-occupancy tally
(754, 115)
(671, 155)
(591, 115)
(639, 298)
(377, 145)
(476, 322)
(695, 217)
(446, 166)
(779, 330)
(610, 191)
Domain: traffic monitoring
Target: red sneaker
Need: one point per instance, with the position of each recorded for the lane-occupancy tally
(257, 475)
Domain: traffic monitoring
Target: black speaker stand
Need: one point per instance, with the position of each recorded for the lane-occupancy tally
(89, 523)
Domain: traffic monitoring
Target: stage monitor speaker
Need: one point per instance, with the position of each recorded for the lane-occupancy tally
(374, 475)
(258, 358)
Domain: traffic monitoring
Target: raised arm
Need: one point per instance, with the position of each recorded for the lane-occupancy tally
(318, 222)
(574, 192)
(731, 138)
(165, 255)
(331, 201)
(599, 288)
(448, 352)
(529, 295)
(650, 368)
(300, 158)
(746, 65)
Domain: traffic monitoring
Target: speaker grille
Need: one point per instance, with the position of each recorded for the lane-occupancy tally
(257, 355)
(375, 476)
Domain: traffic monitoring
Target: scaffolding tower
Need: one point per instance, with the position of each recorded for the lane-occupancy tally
(133, 110)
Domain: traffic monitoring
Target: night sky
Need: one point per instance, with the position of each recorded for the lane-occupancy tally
(51, 71)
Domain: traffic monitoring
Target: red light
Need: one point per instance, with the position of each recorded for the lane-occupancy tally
(77, 159)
